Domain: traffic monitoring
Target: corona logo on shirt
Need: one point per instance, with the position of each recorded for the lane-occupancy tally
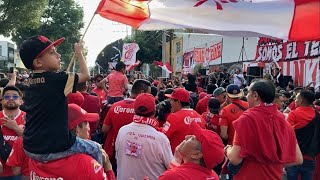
(188, 119)
(120, 109)
(10, 138)
(34, 176)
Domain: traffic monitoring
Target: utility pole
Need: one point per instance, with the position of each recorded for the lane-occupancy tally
(164, 40)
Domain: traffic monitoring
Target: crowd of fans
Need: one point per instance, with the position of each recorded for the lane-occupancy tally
(125, 127)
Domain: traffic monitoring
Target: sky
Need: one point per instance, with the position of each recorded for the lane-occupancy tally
(101, 32)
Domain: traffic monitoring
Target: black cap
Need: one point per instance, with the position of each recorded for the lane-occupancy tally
(213, 104)
(34, 47)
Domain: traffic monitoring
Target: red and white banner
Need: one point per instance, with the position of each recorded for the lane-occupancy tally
(132, 66)
(208, 54)
(129, 52)
(303, 71)
(269, 50)
(295, 20)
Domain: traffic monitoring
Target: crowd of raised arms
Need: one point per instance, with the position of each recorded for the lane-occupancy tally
(72, 126)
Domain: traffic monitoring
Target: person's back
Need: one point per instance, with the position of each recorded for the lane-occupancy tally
(141, 150)
(177, 125)
(75, 167)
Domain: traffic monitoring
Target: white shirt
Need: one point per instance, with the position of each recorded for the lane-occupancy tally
(141, 151)
(237, 79)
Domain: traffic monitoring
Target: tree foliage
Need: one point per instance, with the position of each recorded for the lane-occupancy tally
(150, 45)
(61, 18)
(15, 14)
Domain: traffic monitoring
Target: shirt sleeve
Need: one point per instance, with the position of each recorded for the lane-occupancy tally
(169, 126)
(63, 81)
(223, 120)
(236, 139)
(108, 119)
(291, 118)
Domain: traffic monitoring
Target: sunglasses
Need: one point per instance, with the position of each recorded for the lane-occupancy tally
(7, 97)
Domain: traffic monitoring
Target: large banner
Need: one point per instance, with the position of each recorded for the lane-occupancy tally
(295, 20)
(303, 71)
(270, 50)
(129, 53)
(207, 54)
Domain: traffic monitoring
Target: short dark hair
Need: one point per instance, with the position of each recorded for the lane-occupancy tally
(82, 86)
(185, 104)
(140, 85)
(120, 65)
(286, 94)
(12, 88)
(307, 96)
(317, 95)
(211, 88)
(97, 76)
(265, 89)
(142, 109)
(317, 102)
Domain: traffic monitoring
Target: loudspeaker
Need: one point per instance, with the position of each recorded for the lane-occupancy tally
(255, 71)
(250, 78)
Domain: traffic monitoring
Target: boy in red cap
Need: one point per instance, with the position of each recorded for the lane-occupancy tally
(200, 152)
(46, 136)
(177, 125)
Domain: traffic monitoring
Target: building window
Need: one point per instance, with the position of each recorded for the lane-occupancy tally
(178, 46)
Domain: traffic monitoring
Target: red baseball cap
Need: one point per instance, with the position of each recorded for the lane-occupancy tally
(145, 103)
(77, 115)
(75, 98)
(180, 94)
(34, 47)
(211, 145)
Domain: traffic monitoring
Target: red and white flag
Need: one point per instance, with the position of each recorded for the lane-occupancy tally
(165, 67)
(285, 19)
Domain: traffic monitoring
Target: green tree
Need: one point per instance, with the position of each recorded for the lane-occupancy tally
(15, 14)
(61, 18)
(150, 45)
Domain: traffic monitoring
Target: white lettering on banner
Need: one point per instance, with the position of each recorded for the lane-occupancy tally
(10, 138)
(315, 48)
(188, 120)
(268, 53)
(292, 50)
(120, 109)
(34, 176)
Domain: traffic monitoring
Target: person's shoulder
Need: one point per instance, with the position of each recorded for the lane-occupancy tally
(170, 174)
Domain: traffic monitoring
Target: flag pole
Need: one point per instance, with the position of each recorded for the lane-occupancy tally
(73, 55)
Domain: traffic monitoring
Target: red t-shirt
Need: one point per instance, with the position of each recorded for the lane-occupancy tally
(189, 171)
(102, 95)
(10, 136)
(229, 114)
(116, 82)
(75, 167)
(301, 116)
(251, 169)
(18, 158)
(212, 122)
(202, 105)
(178, 126)
(120, 114)
(92, 105)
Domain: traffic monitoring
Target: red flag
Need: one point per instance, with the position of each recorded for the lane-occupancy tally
(130, 12)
